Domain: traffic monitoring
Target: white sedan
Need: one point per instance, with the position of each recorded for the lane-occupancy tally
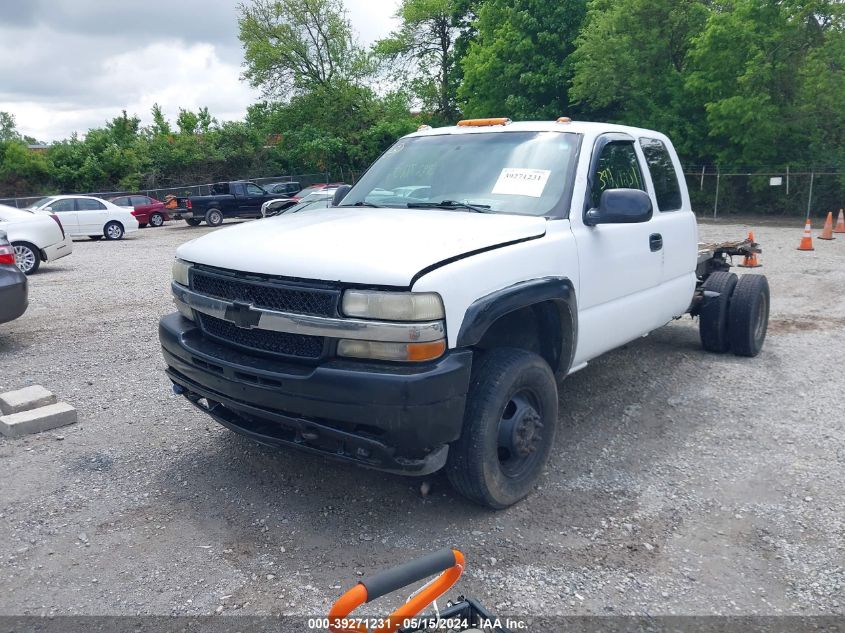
(87, 215)
(35, 238)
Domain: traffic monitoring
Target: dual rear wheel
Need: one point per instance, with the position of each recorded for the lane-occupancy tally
(735, 313)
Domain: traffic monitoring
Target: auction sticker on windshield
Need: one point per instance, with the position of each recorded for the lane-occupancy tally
(515, 181)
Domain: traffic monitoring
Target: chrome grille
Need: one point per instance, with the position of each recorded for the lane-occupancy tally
(280, 343)
(269, 294)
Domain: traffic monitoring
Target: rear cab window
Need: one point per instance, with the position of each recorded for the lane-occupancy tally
(664, 177)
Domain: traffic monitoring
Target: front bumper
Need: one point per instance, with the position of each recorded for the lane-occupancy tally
(14, 297)
(59, 249)
(396, 418)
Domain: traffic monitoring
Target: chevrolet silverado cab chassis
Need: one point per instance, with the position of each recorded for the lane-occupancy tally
(424, 320)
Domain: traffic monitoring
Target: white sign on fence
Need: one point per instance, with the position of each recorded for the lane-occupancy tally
(776, 181)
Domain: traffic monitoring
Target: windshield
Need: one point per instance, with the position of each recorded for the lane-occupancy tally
(524, 173)
(42, 203)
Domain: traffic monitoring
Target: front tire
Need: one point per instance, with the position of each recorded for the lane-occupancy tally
(156, 220)
(214, 217)
(27, 257)
(509, 428)
(113, 231)
(748, 319)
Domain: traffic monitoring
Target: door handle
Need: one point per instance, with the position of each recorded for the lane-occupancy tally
(655, 242)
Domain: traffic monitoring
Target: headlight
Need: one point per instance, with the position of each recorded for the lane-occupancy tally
(180, 271)
(393, 306)
(403, 352)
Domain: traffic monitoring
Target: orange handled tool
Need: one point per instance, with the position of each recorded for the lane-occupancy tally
(448, 561)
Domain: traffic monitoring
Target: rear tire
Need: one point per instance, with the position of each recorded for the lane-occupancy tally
(214, 217)
(509, 428)
(113, 231)
(156, 220)
(713, 316)
(27, 257)
(748, 319)
(193, 221)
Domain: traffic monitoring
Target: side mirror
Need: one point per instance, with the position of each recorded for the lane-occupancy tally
(340, 194)
(620, 206)
(50, 209)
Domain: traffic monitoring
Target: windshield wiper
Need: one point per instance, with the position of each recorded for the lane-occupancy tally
(362, 203)
(450, 204)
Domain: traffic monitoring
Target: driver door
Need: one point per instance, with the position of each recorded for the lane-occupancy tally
(620, 264)
(254, 197)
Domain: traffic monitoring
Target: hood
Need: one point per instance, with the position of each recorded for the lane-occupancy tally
(357, 245)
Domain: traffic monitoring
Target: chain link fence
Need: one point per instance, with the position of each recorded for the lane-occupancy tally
(304, 180)
(719, 192)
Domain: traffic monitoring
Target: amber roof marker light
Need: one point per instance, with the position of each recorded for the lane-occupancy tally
(483, 122)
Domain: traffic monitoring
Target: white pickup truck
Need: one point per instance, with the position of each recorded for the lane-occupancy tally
(424, 320)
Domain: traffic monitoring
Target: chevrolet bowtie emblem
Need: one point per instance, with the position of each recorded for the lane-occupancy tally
(243, 315)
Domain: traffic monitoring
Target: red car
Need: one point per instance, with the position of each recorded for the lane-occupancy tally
(145, 209)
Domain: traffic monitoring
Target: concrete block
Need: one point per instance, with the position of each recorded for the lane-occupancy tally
(37, 420)
(25, 399)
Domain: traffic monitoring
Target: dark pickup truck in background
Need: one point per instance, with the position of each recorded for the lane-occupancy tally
(236, 199)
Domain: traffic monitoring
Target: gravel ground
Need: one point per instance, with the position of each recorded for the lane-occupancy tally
(682, 483)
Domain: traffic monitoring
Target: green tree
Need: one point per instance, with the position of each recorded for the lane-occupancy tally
(160, 125)
(422, 54)
(751, 68)
(631, 64)
(519, 64)
(8, 128)
(291, 46)
(21, 170)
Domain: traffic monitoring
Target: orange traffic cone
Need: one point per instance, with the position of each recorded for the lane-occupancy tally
(750, 260)
(807, 239)
(827, 231)
(840, 223)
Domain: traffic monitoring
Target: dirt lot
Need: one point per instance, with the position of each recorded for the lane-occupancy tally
(682, 483)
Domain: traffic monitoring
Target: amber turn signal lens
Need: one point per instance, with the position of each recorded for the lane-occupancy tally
(426, 351)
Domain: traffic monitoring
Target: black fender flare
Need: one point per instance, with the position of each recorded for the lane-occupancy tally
(484, 312)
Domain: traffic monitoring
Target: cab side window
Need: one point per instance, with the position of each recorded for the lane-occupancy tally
(254, 190)
(667, 190)
(618, 168)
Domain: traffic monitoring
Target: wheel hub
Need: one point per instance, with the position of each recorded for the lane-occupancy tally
(520, 429)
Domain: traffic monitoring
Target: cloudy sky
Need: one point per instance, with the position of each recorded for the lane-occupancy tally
(69, 65)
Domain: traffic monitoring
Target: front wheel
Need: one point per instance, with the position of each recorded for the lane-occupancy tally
(113, 231)
(156, 220)
(26, 257)
(214, 217)
(509, 428)
(193, 221)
